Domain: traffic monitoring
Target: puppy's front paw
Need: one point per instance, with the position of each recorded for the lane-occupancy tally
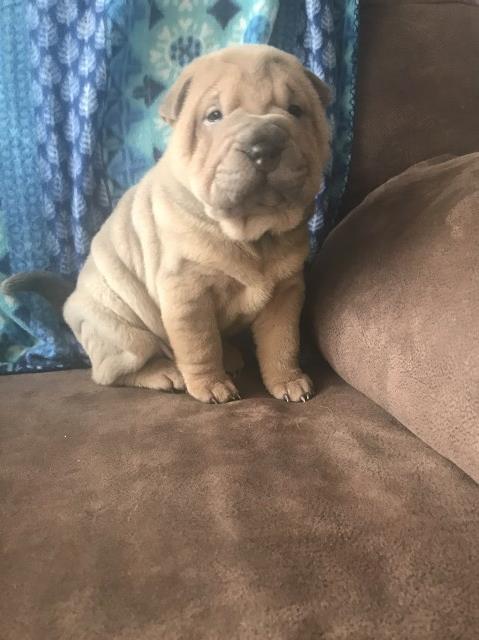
(298, 388)
(213, 391)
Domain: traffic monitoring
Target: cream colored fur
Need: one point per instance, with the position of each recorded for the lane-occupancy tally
(203, 246)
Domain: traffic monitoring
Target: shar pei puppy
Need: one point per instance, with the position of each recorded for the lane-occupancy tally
(212, 240)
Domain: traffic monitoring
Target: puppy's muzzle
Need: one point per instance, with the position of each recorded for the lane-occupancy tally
(264, 147)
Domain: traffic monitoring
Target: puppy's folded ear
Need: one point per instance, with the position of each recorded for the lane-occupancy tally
(171, 106)
(321, 88)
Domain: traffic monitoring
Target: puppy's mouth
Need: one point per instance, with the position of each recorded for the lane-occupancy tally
(239, 193)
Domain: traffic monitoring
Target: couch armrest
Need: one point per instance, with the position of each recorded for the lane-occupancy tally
(395, 309)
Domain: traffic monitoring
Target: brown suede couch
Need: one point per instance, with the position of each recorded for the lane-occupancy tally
(129, 515)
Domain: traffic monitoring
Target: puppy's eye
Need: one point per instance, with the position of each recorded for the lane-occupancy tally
(214, 116)
(295, 110)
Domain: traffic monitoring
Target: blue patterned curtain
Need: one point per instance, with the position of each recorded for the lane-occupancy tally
(80, 82)
(323, 34)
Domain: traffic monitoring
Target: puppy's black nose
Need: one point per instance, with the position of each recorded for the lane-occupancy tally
(265, 152)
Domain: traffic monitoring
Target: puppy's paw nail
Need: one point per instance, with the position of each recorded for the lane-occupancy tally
(215, 391)
(296, 388)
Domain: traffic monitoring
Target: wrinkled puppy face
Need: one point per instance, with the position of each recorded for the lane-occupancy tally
(250, 138)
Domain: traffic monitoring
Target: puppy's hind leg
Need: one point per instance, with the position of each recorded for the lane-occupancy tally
(109, 362)
(159, 373)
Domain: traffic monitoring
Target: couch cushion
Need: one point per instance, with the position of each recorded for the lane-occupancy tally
(397, 306)
(417, 88)
(127, 514)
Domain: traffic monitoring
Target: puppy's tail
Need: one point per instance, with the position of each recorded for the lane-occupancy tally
(49, 285)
